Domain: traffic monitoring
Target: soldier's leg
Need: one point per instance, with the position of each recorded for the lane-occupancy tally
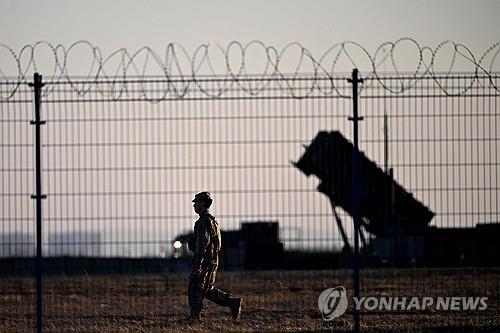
(219, 296)
(213, 293)
(195, 292)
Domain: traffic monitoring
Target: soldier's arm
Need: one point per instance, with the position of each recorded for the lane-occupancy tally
(202, 238)
(191, 242)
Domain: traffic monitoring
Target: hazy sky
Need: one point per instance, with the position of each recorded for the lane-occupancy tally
(316, 24)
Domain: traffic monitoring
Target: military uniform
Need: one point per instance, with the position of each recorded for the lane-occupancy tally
(206, 244)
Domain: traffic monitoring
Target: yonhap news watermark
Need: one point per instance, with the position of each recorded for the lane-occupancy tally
(333, 302)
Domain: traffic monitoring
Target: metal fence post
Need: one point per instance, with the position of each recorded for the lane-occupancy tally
(37, 85)
(356, 194)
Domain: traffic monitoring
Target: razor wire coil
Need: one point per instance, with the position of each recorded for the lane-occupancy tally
(180, 72)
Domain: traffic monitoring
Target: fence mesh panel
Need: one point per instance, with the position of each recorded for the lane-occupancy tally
(122, 159)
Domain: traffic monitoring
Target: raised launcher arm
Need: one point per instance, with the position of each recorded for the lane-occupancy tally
(386, 207)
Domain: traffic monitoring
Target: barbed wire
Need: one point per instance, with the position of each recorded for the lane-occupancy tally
(180, 71)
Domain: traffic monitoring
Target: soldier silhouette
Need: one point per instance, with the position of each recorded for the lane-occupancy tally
(205, 243)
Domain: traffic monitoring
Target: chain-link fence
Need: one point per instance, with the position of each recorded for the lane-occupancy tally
(122, 159)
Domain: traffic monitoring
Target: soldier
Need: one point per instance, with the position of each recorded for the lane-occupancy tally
(206, 244)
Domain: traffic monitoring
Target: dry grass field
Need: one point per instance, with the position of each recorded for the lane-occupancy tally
(274, 301)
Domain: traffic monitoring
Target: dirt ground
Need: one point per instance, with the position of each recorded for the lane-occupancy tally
(273, 301)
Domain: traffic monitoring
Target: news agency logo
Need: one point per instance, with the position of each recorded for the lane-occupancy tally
(333, 303)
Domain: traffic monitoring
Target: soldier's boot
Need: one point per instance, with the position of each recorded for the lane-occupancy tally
(194, 316)
(235, 306)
